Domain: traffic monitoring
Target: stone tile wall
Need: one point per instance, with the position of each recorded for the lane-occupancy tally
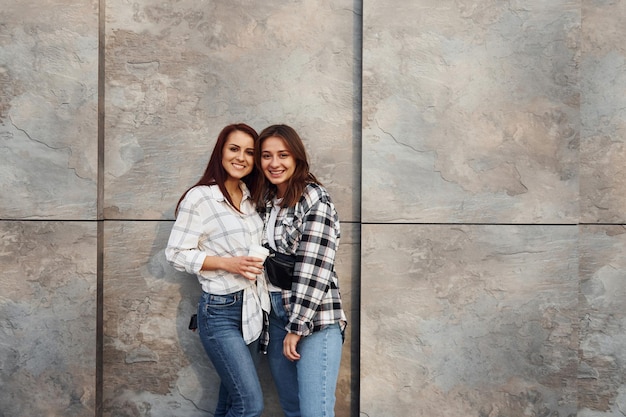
(472, 320)
(492, 221)
(48, 318)
(474, 151)
(48, 208)
(175, 75)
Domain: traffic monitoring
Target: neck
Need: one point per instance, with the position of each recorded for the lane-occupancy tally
(232, 186)
(280, 192)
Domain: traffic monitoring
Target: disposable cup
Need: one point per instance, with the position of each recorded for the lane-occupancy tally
(257, 251)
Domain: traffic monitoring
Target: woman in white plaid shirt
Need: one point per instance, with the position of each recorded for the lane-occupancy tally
(307, 321)
(216, 223)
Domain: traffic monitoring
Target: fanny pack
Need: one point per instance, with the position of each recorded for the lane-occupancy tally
(279, 268)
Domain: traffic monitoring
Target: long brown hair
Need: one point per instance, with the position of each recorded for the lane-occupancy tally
(215, 172)
(265, 190)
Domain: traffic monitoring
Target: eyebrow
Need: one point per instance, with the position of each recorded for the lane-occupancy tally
(234, 144)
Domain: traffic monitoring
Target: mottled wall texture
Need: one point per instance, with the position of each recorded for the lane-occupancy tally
(475, 151)
(48, 208)
(493, 209)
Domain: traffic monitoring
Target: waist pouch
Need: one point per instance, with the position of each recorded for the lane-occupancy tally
(279, 268)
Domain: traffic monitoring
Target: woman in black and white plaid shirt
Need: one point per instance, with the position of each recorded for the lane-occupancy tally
(307, 321)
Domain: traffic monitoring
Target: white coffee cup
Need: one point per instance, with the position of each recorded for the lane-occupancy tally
(260, 252)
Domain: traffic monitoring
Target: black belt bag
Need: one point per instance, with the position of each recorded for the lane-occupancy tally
(279, 268)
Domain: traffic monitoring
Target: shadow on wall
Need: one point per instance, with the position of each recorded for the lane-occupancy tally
(152, 363)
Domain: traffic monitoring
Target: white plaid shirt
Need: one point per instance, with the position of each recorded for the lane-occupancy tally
(207, 225)
(311, 231)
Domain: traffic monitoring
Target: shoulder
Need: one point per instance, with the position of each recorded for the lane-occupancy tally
(203, 193)
(313, 194)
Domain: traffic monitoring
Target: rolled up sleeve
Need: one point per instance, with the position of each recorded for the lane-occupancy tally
(182, 249)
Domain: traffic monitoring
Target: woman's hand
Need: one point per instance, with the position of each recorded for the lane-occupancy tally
(290, 342)
(247, 266)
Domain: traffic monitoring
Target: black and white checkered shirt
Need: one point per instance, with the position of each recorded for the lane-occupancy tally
(311, 231)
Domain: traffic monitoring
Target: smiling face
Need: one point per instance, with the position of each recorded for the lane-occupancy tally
(277, 163)
(238, 155)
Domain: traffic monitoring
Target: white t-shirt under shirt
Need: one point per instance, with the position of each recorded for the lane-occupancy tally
(271, 223)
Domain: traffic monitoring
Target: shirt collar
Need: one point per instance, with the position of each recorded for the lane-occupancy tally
(216, 193)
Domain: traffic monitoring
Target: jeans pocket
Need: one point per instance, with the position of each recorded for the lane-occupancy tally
(219, 312)
(221, 300)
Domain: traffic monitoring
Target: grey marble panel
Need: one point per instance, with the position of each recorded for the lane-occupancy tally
(348, 267)
(152, 363)
(602, 387)
(176, 73)
(469, 320)
(603, 113)
(471, 111)
(48, 109)
(48, 319)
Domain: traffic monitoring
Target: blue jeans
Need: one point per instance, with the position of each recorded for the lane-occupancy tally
(219, 325)
(315, 374)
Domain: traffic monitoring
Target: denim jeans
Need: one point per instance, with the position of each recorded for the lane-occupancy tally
(219, 325)
(306, 388)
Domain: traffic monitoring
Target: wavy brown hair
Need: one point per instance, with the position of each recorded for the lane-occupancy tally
(265, 190)
(215, 174)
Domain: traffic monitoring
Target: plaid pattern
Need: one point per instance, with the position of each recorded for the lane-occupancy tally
(311, 231)
(207, 225)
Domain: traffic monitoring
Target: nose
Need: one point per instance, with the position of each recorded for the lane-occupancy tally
(273, 161)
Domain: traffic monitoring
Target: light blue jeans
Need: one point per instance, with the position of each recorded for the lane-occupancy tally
(219, 325)
(306, 388)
